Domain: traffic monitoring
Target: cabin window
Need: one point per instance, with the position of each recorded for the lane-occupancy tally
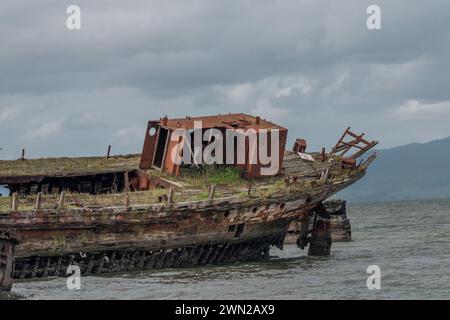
(161, 145)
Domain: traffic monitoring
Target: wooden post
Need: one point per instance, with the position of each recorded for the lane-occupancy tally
(62, 199)
(23, 154)
(249, 188)
(212, 189)
(38, 201)
(114, 184)
(126, 179)
(171, 194)
(302, 240)
(15, 202)
(326, 173)
(109, 152)
(127, 200)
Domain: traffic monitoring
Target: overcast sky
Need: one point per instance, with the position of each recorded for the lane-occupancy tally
(311, 66)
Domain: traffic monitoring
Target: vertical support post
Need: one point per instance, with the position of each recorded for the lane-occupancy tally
(212, 190)
(171, 194)
(249, 188)
(326, 173)
(126, 179)
(62, 199)
(320, 242)
(8, 242)
(302, 240)
(109, 152)
(114, 184)
(23, 154)
(38, 201)
(15, 202)
(127, 200)
(287, 181)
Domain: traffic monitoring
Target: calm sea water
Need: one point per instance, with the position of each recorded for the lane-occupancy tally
(409, 241)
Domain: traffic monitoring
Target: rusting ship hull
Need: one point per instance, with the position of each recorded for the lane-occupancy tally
(157, 236)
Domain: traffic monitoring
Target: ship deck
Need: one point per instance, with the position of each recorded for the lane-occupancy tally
(65, 167)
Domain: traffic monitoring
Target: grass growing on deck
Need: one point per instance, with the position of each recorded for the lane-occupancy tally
(68, 166)
(208, 175)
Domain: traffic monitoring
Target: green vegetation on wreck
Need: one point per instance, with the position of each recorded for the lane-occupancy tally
(205, 176)
(68, 166)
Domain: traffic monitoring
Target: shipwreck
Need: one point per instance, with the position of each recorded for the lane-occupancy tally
(151, 210)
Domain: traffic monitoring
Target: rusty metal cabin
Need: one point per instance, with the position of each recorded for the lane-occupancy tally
(159, 145)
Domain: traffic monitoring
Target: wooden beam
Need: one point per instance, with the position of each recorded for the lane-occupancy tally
(364, 150)
(38, 201)
(14, 201)
(340, 139)
(212, 189)
(171, 194)
(126, 179)
(127, 200)
(62, 200)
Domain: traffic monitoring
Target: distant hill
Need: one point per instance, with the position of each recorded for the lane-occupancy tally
(413, 171)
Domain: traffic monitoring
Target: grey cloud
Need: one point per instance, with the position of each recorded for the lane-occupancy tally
(311, 65)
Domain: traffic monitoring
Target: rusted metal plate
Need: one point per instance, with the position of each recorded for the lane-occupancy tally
(299, 145)
(231, 121)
